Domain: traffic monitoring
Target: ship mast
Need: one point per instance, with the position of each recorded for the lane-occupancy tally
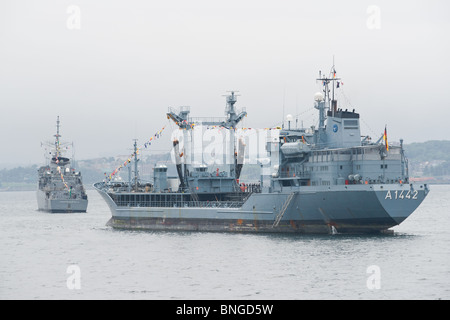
(326, 105)
(57, 143)
(330, 104)
(136, 174)
(231, 122)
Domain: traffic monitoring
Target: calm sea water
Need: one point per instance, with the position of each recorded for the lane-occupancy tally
(38, 251)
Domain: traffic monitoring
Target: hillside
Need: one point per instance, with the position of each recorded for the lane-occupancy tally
(429, 151)
(429, 161)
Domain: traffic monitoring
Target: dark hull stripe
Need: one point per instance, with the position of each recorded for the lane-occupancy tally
(356, 226)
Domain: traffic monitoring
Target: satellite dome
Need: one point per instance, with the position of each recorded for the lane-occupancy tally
(318, 96)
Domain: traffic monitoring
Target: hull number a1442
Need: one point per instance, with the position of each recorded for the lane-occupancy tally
(403, 194)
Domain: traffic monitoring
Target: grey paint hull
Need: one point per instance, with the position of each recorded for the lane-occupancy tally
(342, 209)
(60, 205)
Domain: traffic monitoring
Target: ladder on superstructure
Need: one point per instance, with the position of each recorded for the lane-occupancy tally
(283, 210)
(194, 195)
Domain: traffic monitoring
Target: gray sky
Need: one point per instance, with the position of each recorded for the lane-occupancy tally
(111, 71)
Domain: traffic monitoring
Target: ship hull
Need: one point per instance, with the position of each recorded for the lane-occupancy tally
(60, 205)
(353, 209)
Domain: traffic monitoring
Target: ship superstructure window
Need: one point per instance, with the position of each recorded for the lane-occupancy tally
(350, 124)
(286, 183)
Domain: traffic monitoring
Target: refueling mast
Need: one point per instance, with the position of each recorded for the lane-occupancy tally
(230, 122)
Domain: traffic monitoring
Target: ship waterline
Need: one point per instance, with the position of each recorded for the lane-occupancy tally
(60, 206)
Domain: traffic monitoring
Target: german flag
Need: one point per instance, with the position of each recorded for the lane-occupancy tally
(385, 139)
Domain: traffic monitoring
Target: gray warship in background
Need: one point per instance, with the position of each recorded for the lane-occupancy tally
(60, 187)
(327, 179)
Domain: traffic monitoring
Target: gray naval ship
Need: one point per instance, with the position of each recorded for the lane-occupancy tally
(60, 187)
(328, 179)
